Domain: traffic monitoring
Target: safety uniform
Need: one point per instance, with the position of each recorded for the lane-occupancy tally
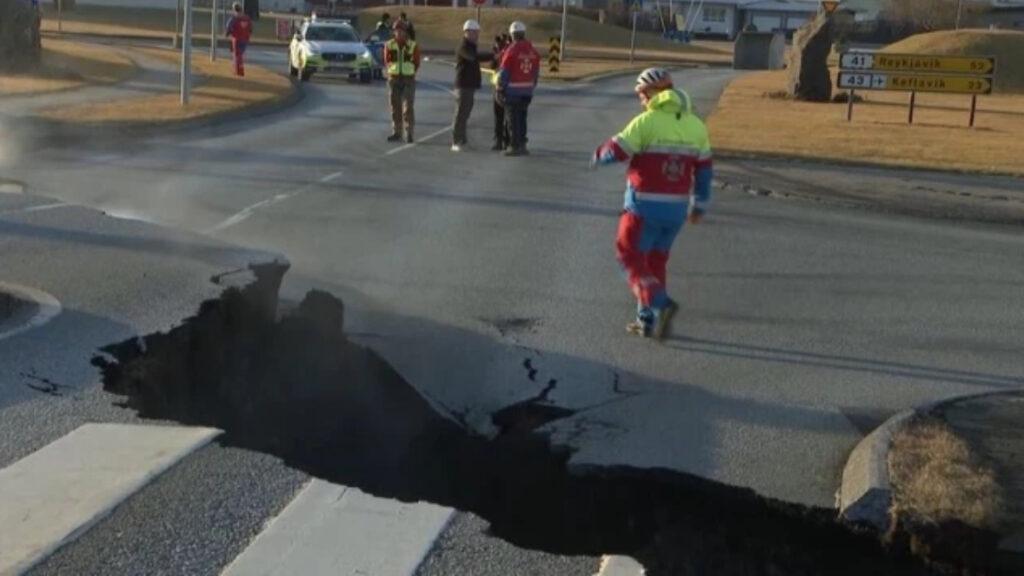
(518, 74)
(402, 61)
(239, 29)
(669, 154)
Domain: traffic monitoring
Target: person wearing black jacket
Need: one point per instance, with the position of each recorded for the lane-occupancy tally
(467, 81)
(502, 136)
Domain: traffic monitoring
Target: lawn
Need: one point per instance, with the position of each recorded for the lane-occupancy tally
(69, 65)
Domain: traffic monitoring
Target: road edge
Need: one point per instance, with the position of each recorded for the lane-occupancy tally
(47, 307)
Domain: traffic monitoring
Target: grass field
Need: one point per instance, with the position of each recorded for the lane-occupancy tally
(154, 23)
(219, 92)
(68, 65)
(748, 121)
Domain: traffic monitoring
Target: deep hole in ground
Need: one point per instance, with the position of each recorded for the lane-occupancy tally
(299, 389)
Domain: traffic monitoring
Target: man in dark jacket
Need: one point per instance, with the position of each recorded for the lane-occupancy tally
(467, 81)
(408, 26)
(502, 138)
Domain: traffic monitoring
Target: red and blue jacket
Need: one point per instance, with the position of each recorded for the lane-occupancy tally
(519, 70)
(669, 155)
(239, 27)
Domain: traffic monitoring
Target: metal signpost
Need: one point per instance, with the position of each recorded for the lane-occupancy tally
(635, 7)
(565, 18)
(186, 54)
(213, 30)
(479, 6)
(916, 73)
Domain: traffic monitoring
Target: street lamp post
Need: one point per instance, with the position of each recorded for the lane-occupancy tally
(186, 53)
(959, 12)
(565, 17)
(213, 30)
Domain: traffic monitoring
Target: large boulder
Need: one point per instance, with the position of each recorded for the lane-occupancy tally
(809, 78)
(21, 47)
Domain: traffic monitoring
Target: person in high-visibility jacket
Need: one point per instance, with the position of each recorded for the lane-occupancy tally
(239, 29)
(669, 155)
(402, 60)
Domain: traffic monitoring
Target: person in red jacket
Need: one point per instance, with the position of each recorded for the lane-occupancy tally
(517, 78)
(239, 29)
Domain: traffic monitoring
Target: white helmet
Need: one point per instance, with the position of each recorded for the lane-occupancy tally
(470, 25)
(653, 78)
(517, 26)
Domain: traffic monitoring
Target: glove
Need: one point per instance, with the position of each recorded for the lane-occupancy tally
(593, 162)
(696, 217)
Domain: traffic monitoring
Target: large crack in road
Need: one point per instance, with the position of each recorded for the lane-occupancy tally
(297, 388)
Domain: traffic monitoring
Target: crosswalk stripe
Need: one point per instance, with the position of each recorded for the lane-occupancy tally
(55, 494)
(620, 566)
(335, 530)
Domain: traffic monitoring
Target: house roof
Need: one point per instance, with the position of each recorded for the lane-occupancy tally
(780, 6)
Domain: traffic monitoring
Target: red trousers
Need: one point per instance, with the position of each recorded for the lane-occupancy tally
(238, 52)
(642, 247)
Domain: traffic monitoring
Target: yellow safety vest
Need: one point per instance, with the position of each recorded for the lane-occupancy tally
(400, 59)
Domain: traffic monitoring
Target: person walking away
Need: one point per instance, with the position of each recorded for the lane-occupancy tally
(409, 28)
(669, 154)
(517, 79)
(502, 139)
(239, 29)
(383, 28)
(467, 81)
(402, 60)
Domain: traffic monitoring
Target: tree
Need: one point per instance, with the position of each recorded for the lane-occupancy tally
(20, 46)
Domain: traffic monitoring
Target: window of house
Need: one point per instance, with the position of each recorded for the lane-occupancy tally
(713, 14)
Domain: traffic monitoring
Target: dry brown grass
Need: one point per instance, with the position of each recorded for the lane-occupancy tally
(68, 65)
(935, 475)
(220, 92)
(143, 22)
(746, 121)
(1006, 45)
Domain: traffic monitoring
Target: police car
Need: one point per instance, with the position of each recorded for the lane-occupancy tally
(330, 47)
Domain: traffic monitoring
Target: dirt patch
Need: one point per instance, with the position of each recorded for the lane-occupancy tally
(220, 92)
(69, 65)
(299, 389)
(745, 121)
(936, 475)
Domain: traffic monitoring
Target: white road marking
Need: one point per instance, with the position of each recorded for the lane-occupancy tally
(55, 494)
(420, 141)
(248, 211)
(332, 529)
(36, 208)
(620, 566)
(47, 307)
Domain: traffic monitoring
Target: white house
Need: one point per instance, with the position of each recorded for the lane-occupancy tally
(728, 17)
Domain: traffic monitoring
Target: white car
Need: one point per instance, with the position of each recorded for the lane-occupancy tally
(330, 47)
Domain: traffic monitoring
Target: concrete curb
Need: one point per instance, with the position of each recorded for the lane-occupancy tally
(56, 131)
(23, 308)
(865, 493)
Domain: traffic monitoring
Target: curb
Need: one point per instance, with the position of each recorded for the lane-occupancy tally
(46, 308)
(63, 131)
(865, 493)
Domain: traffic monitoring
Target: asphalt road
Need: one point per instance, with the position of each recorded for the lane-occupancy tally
(801, 327)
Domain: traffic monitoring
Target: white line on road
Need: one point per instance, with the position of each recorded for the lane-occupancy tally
(420, 141)
(332, 529)
(250, 210)
(620, 566)
(55, 494)
(47, 308)
(36, 208)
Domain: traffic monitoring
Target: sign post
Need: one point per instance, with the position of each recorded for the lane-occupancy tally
(213, 30)
(635, 7)
(186, 53)
(479, 5)
(916, 73)
(565, 18)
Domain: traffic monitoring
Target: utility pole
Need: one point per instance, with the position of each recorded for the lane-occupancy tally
(186, 54)
(959, 12)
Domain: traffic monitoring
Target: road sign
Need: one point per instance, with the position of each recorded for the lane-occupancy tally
(915, 83)
(479, 2)
(829, 5)
(555, 53)
(980, 65)
(636, 5)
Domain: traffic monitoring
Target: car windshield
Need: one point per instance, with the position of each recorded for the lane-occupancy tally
(331, 34)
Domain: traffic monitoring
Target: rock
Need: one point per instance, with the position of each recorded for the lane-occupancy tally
(21, 47)
(809, 78)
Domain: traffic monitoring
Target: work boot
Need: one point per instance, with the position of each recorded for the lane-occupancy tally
(643, 325)
(663, 320)
(514, 152)
(395, 138)
(498, 146)
(409, 138)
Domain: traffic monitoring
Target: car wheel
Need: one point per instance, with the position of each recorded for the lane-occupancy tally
(365, 77)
